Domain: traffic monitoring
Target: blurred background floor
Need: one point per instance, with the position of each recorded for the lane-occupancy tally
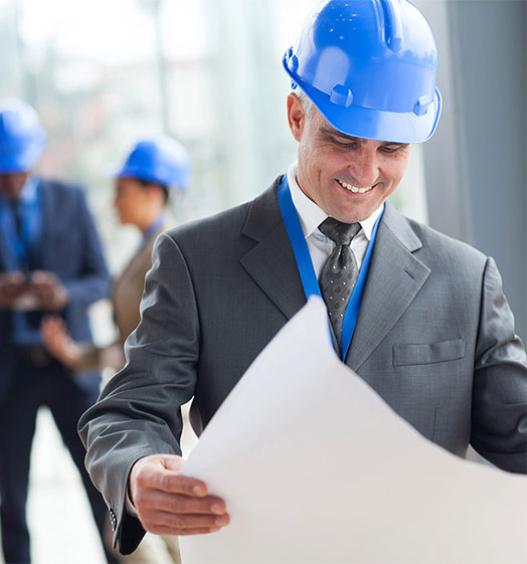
(62, 530)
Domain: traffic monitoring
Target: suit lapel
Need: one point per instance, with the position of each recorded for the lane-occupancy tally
(271, 263)
(394, 279)
(395, 276)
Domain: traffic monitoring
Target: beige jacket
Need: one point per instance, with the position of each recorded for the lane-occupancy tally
(126, 297)
(128, 289)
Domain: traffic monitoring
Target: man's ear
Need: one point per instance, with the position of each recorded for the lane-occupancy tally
(296, 115)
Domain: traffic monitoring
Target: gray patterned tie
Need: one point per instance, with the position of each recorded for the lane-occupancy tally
(339, 273)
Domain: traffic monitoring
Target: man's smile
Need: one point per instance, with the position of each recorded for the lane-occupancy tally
(354, 189)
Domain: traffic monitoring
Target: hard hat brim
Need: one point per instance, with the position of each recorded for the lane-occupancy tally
(398, 127)
(139, 173)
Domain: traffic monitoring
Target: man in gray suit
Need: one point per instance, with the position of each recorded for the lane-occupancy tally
(421, 317)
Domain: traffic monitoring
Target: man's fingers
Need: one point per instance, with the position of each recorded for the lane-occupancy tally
(169, 502)
(54, 327)
(184, 522)
(177, 503)
(12, 279)
(43, 276)
(159, 530)
(171, 482)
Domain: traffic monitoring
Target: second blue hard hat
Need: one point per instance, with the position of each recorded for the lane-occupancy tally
(22, 137)
(369, 66)
(160, 160)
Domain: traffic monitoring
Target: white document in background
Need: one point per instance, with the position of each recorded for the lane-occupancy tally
(316, 468)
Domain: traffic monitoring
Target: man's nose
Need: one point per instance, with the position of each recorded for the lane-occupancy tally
(364, 168)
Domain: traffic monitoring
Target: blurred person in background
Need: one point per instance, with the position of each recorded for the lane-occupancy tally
(51, 261)
(154, 169)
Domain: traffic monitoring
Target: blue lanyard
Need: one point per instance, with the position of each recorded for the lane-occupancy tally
(307, 272)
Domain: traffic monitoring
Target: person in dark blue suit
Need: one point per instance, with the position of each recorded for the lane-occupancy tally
(51, 261)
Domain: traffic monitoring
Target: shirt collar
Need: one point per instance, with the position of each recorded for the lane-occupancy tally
(153, 228)
(311, 216)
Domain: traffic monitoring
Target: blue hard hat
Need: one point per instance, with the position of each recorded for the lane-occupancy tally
(160, 160)
(369, 66)
(22, 137)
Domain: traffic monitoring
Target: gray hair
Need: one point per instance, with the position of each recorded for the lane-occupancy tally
(306, 102)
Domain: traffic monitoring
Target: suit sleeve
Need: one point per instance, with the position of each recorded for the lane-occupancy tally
(92, 282)
(499, 408)
(138, 413)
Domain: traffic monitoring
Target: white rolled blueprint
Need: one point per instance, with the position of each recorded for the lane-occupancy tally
(316, 468)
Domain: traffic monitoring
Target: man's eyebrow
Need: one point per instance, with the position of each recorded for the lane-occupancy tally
(400, 143)
(334, 133)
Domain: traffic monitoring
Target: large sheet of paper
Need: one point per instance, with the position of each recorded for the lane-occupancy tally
(316, 468)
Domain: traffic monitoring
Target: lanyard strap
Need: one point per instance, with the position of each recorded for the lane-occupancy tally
(353, 309)
(307, 271)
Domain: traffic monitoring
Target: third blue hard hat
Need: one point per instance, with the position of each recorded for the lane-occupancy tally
(369, 66)
(161, 160)
(22, 137)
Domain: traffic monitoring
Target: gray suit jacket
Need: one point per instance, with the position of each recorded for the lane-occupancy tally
(435, 338)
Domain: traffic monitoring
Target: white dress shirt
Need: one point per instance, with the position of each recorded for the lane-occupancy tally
(311, 216)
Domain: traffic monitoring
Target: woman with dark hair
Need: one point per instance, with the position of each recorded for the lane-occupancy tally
(153, 169)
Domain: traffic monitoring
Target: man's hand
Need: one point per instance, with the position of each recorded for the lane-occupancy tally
(49, 291)
(12, 286)
(58, 341)
(168, 503)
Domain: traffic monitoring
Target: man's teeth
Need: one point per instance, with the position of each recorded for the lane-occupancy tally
(354, 189)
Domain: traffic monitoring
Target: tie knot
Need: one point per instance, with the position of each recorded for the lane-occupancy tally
(340, 233)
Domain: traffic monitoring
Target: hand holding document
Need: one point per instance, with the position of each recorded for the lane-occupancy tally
(316, 468)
